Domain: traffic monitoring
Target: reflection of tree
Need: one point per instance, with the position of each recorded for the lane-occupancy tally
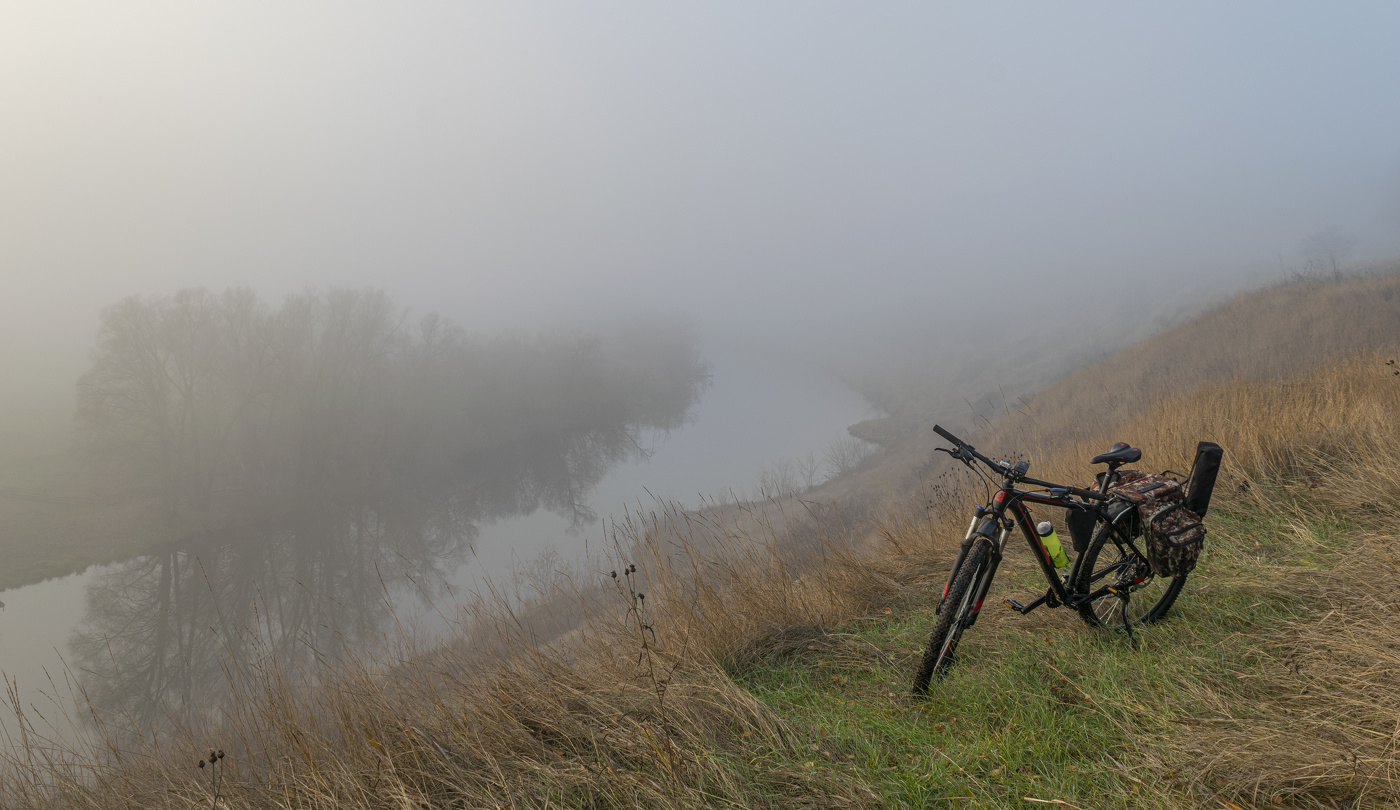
(493, 431)
(160, 628)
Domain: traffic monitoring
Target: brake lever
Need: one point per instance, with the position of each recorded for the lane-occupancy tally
(961, 454)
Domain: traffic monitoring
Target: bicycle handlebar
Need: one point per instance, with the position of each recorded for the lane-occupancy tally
(945, 434)
(964, 447)
(1087, 494)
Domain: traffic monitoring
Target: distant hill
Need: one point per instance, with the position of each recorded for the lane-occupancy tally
(1264, 333)
(1257, 335)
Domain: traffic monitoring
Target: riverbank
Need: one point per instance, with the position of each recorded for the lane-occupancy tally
(738, 665)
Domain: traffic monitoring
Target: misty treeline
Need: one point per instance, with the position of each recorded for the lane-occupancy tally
(222, 400)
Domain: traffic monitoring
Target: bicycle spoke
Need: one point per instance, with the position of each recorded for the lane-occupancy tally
(1144, 592)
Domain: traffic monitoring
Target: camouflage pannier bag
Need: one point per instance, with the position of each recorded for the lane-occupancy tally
(1173, 534)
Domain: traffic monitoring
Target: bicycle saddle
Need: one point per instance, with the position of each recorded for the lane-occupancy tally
(1119, 453)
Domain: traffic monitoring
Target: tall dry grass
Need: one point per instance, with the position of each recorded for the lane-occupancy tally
(605, 691)
(590, 695)
(1321, 722)
(1257, 336)
(1322, 427)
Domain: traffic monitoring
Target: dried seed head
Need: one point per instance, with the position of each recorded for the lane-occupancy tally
(613, 574)
(201, 763)
(641, 596)
(221, 753)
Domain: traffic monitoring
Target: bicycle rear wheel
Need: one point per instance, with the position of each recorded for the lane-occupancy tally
(952, 619)
(1109, 560)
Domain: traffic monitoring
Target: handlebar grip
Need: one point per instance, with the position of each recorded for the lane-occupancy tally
(945, 434)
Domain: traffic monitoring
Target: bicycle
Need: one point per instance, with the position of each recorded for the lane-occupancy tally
(1098, 589)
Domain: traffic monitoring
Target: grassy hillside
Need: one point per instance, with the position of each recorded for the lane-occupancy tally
(742, 667)
(1258, 336)
(1053, 389)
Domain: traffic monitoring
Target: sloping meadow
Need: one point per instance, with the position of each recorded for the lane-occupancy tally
(1312, 471)
(614, 687)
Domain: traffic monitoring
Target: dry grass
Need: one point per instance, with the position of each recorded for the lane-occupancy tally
(1332, 429)
(588, 696)
(1258, 336)
(628, 708)
(1320, 723)
(1261, 335)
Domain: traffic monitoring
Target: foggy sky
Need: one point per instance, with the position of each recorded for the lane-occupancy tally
(804, 171)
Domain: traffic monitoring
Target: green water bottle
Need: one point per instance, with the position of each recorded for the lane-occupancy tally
(1051, 541)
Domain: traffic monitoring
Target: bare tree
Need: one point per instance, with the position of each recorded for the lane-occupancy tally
(778, 480)
(173, 379)
(846, 453)
(809, 469)
(142, 395)
(1327, 251)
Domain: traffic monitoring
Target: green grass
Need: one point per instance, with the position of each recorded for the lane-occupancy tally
(1041, 706)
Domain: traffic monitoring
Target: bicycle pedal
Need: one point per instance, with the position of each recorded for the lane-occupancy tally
(1024, 609)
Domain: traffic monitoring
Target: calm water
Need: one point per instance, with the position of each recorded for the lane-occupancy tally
(154, 632)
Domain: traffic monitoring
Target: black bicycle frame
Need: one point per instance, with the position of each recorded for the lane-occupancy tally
(993, 523)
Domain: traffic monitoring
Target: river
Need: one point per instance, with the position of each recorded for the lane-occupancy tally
(152, 632)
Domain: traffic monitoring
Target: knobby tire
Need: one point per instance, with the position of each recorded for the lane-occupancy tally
(951, 619)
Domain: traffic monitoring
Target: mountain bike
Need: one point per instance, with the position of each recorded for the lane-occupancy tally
(1110, 583)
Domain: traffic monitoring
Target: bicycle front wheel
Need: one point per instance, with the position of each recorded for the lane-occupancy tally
(956, 614)
(1110, 560)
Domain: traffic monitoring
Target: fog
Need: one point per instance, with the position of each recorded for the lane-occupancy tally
(838, 181)
(310, 311)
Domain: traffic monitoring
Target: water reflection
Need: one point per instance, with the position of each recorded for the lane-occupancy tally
(160, 630)
(162, 633)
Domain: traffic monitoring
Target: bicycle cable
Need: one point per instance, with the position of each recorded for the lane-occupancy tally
(968, 462)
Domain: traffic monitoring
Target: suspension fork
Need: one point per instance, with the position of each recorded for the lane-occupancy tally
(993, 562)
(972, 534)
(995, 527)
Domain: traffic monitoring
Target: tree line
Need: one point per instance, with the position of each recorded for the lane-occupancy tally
(223, 401)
